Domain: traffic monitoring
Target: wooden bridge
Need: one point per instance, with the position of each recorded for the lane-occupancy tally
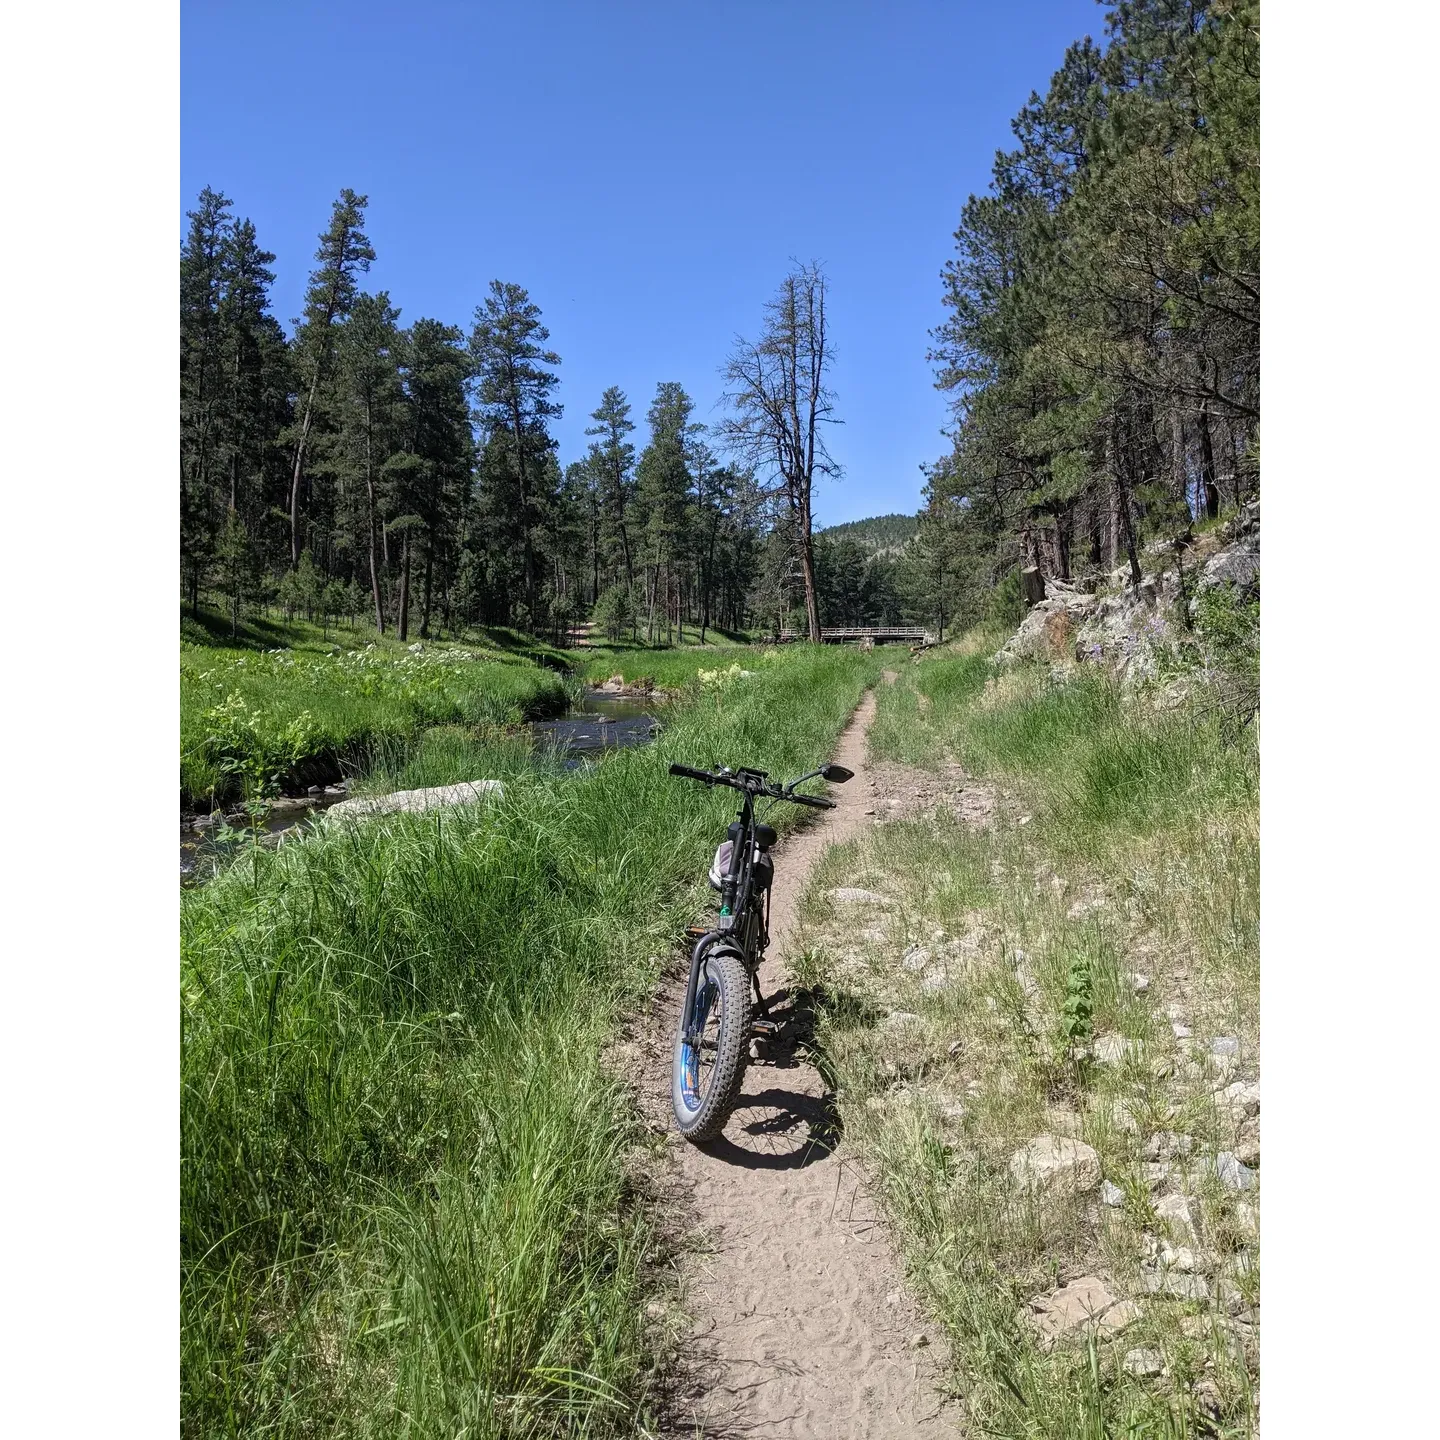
(857, 634)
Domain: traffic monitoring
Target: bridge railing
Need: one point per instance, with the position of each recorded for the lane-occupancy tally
(840, 634)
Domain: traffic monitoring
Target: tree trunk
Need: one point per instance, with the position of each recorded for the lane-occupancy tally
(1127, 528)
(404, 626)
(1033, 584)
(299, 465)
(425, 603)
(370, 512)
(1179, 473)
(1207, 465)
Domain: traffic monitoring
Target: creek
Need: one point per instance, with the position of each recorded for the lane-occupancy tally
(600, 722)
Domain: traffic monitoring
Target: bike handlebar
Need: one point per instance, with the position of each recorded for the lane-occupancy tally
(777, 792)
(817, 801)
(690, 774)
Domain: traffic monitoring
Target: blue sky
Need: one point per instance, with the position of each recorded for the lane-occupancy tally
(645, 170)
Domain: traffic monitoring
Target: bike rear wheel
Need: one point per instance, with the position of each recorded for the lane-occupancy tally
(705, 1078)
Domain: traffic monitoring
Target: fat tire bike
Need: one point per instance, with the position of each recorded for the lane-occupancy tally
(717, 1023)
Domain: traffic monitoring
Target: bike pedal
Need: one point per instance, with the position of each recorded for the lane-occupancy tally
(696, 931)
(769, 1029)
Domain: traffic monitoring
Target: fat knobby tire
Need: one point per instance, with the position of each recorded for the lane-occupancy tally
(731, 1052)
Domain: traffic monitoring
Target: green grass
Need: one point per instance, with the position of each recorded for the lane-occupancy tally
(677, 668)
(272, 631)
(413, 1198)
(1139, 853)
(250, 720)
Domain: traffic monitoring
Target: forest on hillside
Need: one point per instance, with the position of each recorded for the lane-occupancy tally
(1102, 340)
(1100, 345)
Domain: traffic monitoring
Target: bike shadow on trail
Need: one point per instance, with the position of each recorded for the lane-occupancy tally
(786, 1120)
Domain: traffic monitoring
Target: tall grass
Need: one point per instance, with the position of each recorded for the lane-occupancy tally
(249, 720)
(407, 1205)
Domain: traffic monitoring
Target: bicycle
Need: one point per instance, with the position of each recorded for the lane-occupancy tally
(716, 1024)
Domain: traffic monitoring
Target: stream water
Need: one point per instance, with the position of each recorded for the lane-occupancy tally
(600, 722)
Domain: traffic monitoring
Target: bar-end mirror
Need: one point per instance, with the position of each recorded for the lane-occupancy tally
(836, 774)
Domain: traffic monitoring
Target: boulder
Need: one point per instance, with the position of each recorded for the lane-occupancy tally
(467, 792)
(1056, 1165)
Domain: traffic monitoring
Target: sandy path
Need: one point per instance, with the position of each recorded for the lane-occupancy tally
(802, 1327)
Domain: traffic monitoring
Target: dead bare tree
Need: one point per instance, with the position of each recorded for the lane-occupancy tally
(778, 401)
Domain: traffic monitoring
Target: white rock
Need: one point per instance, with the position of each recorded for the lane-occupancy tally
(1177, 1257)
(1231, 1173)
(1167, 1145)
(850, 895)
(1055, 1164)
(1144, 1362)
(1082, 1305)
(1122, 1118)
(1240, 1098)
(1112, 1195)
(1113, 1049)
(1224, 1045)
(916, 958)
(1139, 983)
(897, 1018)
(1175, 1211)
(1177, 1285)
(1182, 1032)
(435, 797)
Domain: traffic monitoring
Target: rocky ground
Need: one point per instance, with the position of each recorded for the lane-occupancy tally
(1113, 1181)
(1106, 620)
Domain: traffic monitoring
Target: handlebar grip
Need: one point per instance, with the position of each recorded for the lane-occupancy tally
(691, 774)
(816, 802)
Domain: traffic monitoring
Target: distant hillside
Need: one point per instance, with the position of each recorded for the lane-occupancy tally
(879, 533)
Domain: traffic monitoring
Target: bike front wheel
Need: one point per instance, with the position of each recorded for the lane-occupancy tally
(708, 1067)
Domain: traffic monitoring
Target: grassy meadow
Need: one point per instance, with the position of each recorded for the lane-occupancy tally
(667, 669)
(1062, 971)
(409, 1199)
(250, 720)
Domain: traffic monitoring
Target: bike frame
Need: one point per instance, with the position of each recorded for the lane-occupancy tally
(741, 926)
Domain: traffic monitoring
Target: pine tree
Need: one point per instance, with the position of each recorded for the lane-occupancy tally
(367, 402)
(201, 383)
(662, 498)
(344, 254)
(514, 373)
(435, 369)
(613, 457)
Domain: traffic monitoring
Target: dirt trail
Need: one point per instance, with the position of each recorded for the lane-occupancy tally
(803, 1327)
